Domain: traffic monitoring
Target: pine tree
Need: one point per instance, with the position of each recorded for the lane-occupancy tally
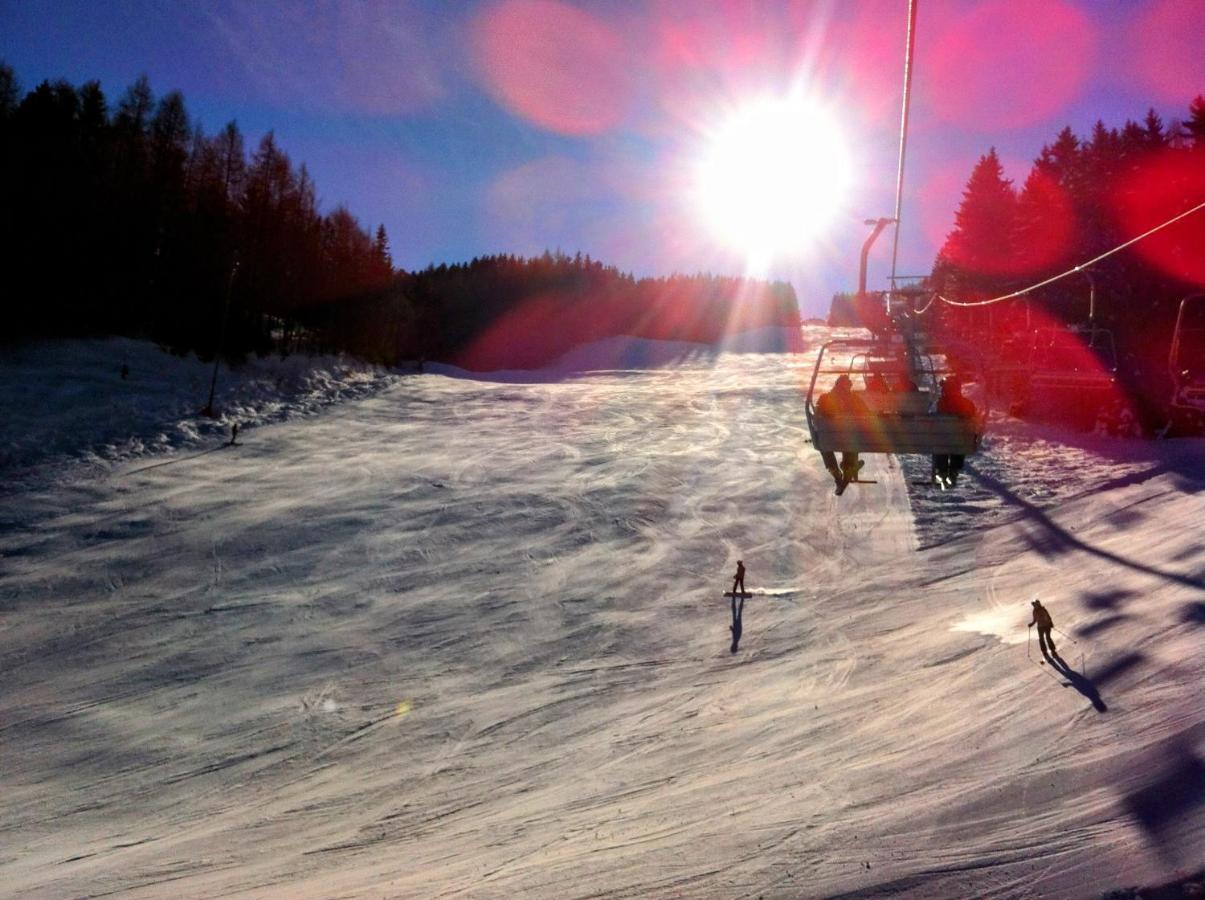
(380, 252)
(1194, 125)
(1153, 130)
(980, 248)
(1045, 222)
(10, 91)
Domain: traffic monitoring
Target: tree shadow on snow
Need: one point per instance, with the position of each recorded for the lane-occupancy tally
(1194, 613)
(1111, 599)
(1095, 628)
(1169, 801)
(1051, 539)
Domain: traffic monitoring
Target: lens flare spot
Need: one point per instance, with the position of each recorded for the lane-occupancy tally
(556, 66)
(1160, 188)
(402, 710)
(1167, 55)
(1010, 63)
(1048, 224)
(938, 195)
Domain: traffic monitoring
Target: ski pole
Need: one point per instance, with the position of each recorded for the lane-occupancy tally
(1028, 641)
(1066, 635)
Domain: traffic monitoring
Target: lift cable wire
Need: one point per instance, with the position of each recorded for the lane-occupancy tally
(1072, 271)
(924, 309)
(899, 175)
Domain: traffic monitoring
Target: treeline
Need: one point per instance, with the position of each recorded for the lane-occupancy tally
(1083, 197)
(131, 219)
(503, 311)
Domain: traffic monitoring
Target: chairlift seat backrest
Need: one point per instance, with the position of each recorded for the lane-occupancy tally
(905, 402)
(926, 433)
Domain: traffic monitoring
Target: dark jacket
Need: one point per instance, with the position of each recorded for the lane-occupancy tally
(952, 401)
(1041, 617)
(841, 403)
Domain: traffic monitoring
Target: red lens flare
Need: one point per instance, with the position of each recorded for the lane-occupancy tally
(534, 333)
(556, 66)
(545, 326)
(1042, 369)
(987, 249)
(862, 54)
(1048, 224)
(1009, 63)
(939, 196)
(1168, 56)
(1071, 380)
(1161, 187)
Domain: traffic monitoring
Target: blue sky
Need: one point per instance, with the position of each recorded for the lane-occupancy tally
(516, 125)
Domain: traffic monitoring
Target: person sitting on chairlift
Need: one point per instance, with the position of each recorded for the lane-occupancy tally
(946, 466)
(841, 401)
(876, 383)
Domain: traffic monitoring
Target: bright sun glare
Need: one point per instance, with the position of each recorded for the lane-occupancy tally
(773, 177)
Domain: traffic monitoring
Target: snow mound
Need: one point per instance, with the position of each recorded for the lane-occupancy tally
(66, 399)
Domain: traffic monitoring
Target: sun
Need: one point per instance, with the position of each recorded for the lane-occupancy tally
(773, 177)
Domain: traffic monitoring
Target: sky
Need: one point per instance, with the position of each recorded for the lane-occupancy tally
(515, 126)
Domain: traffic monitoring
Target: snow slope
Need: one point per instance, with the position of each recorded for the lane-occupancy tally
(466, 638)
(60, 400)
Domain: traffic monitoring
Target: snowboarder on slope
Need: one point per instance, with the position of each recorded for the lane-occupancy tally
(740, 577)
(841, 401)
(1041, 618)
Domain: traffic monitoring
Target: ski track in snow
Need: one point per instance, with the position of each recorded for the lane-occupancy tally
(465, 638)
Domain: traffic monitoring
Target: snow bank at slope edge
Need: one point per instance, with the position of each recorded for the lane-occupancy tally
(67, 399)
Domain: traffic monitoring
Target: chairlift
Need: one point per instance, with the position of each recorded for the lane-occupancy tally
(1186, 365)
(901, 419)
(1072, 374)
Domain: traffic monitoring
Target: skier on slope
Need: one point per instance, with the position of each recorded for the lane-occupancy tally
(1041, 618)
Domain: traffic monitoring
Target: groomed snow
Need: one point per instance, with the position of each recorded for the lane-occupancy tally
(465, 638)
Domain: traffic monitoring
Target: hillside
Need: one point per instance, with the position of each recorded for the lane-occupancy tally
(465, 638)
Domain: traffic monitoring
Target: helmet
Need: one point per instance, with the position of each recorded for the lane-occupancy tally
(843, 381)
(1035, 602)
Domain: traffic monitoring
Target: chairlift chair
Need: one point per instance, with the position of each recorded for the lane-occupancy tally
(898, 422)
(1072, 374)
(1186, 365)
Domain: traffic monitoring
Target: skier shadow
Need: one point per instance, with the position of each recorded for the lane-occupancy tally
(736, 627)
(176, 462)
(1074, 679)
